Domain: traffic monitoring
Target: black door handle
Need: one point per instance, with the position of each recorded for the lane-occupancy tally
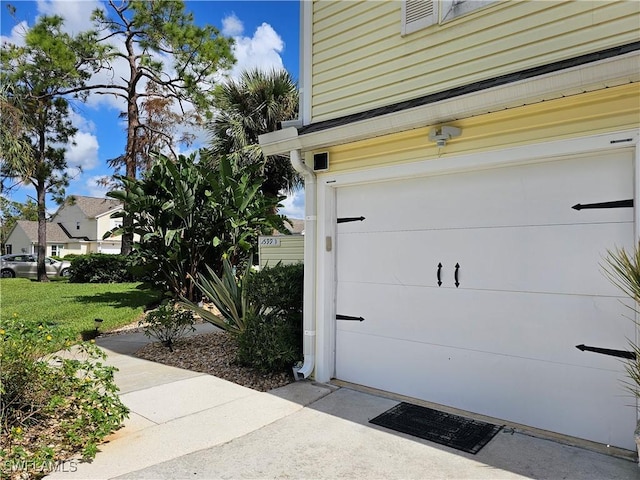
(439, 273)
(455, 275)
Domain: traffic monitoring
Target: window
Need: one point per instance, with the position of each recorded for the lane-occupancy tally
(77, 225)
(56, 250)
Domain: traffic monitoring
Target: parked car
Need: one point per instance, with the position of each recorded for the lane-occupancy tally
(25, 265)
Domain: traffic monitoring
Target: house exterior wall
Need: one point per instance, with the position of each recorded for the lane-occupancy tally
(602, 111)
(72, 217)
(104, 223)
(19, 241)
(289, 251)
(355, 67)
(76, 248)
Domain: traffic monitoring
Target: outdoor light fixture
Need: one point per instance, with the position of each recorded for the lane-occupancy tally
(98, 322)
(440, 135)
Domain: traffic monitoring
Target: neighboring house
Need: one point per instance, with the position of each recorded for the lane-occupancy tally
(77, 227)
(281, 248)
(443, 145)
(23, 238)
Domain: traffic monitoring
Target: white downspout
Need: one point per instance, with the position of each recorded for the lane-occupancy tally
(309, 306)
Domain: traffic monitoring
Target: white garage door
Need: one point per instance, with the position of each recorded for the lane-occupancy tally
(499, 336)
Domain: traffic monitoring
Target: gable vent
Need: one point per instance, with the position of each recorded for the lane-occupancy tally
(417, 14)
(418, 9)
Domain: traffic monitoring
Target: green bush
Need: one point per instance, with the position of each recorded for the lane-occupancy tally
(101, 268)
(279, 287)
(168, 324)
(272, 339)
(52, 405)
(271, 342)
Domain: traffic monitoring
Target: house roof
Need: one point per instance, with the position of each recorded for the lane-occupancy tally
(54, 233)
(92, 206)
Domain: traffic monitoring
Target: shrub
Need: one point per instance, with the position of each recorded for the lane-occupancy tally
(272, 339)
(279, 287)
(52, 406)
(168, 324)
(271, 342)
(100, 268)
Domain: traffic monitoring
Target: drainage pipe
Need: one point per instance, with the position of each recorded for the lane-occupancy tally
(309, 294)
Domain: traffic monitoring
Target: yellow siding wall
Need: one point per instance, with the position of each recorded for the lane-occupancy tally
(360, 60)
(290, 251)
(602, 111)
(104, 224)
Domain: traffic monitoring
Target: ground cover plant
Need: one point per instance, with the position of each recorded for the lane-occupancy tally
(73, 307)
(52, 406)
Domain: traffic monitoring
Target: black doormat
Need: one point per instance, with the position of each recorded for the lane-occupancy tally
(440, 427)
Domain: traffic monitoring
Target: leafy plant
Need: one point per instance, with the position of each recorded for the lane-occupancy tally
(270, 342)
(228, 294)
(272, 339)
(623, 269)
(168, 324)
(53, 405)
(188, 215)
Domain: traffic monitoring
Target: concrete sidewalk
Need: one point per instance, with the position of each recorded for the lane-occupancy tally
(186, 424)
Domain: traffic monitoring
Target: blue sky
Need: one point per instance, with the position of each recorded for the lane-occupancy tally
(266, 35)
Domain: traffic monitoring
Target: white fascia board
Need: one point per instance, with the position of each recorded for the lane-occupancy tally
(606, 73)
(109, 212)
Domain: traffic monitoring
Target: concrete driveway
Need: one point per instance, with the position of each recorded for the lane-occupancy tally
(190, 425)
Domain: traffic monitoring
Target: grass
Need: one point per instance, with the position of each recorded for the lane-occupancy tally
(74, 306)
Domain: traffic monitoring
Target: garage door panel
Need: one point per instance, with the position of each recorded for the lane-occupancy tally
(531, 288)
(459, 379)
(543, 327)
(526, 259)
(533, 194)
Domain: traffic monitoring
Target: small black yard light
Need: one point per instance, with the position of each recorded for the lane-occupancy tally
(98, 322)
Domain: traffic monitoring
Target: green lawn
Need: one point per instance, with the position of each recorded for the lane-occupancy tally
(74, 306)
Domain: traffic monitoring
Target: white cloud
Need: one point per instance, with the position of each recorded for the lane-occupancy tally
(76, 14)
(93, 188)
(84, 153)
(17, 34)
(261, 51)
(293, 205)
(232, 26)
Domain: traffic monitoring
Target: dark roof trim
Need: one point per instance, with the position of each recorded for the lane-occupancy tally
(86, 239)
(473, 87)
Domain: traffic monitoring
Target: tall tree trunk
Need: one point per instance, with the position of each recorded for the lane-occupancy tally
(131, 152)
(42, 231)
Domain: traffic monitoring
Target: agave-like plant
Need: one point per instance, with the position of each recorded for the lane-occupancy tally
(227, 293)
(623, 269)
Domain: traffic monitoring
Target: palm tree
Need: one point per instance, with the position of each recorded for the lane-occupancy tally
(250, 106)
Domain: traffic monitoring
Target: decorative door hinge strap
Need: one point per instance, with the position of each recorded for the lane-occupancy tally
(350, 219)
(614, 204)
(348, 317)
(608, 351)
